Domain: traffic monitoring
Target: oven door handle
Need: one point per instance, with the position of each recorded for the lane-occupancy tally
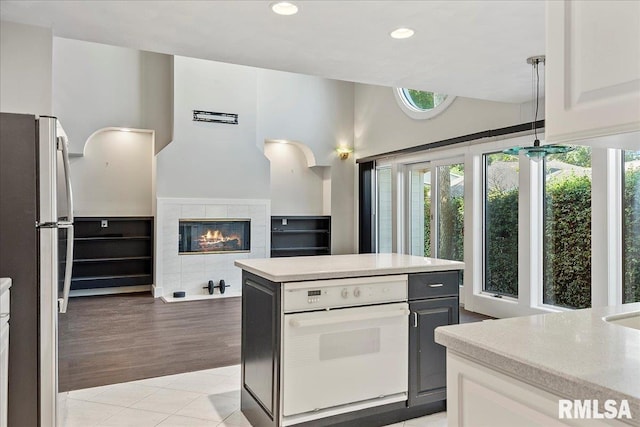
(303, 323)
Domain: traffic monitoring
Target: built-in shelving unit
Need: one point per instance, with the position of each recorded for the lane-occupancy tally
(112, 252)
(300, 235)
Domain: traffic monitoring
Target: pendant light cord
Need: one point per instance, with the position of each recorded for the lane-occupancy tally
(535, 119)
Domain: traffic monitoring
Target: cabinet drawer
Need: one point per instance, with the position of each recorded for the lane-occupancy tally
(432, 285)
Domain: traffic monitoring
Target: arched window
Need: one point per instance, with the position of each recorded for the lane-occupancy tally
(419, 104)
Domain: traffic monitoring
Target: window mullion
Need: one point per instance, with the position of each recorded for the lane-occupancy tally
(606, 243)
(434, 214)
(396, 208)
(532, 237)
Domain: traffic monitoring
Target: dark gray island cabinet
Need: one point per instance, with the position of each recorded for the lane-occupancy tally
(345, 340)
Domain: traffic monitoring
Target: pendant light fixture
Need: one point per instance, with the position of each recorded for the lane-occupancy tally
(536, 151)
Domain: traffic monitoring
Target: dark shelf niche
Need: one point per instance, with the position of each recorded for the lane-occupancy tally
(300, 236)
(119, 276)
(298, 231)
(309, 248)
(128, 258)
(120, 254)
(88, 239)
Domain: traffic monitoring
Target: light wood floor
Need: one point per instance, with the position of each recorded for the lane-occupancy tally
(118, 338)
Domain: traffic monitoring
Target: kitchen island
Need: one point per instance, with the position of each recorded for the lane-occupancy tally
(515, 371)
(345, 339)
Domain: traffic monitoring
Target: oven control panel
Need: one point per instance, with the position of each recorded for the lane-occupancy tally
(333, 293)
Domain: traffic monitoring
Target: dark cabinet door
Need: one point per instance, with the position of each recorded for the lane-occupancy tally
(260, 356)
(427, 359)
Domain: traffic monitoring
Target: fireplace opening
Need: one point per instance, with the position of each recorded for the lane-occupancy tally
(204, 236)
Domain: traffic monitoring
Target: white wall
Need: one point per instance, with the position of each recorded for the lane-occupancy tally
(213, 160)
(381, 126)
(315, 111)
(296, 189)
(96, 86)
(318, 113)
(343, 206)
(25, 69)
(114, 177)
(156, 76)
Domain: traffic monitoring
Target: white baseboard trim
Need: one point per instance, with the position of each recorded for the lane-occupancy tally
(156, 291)
(200, 297)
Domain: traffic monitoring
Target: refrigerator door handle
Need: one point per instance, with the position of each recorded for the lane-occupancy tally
(64, 301)
(64, 147)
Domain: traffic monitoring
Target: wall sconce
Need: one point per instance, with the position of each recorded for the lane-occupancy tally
(343, 152)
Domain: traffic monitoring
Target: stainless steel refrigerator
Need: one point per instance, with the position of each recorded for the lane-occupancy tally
(36, 251)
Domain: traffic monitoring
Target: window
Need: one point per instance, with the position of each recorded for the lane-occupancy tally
(421, 100)
(567, 229)
(384, 206)
(562, 233)
(420, 211)
(501, 189)
(419, 104)
(436, 210)
(450, 212)
(631, 227)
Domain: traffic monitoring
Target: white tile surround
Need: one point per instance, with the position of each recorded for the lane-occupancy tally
(194, 399)
(191, 273)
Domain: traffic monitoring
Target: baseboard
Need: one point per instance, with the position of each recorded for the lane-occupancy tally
(201, 297)
(156, 291)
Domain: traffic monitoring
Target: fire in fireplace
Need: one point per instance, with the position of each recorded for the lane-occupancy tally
(198, 236)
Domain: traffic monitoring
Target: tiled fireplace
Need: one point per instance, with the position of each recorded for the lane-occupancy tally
(198, 240)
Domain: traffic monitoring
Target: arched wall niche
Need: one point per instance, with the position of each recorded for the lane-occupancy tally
(115, 174)
(298, 185)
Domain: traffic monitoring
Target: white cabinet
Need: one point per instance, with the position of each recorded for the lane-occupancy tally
(480, 396)
(4, 349)
(592, 70)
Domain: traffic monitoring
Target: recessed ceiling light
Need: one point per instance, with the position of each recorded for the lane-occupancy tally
(284, 8)
(402, 33)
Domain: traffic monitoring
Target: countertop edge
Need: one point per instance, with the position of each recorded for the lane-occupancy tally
(541, 377)
(346, 274)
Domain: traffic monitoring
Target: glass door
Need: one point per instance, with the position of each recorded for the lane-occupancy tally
(384, 210)
(419, 210)
(449, 211)
(435, 206)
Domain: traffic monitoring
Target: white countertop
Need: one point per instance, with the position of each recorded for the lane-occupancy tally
(5, 283)
(293, 269)
(575, 354)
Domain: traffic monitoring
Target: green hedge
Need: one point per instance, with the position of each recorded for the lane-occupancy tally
(567, 242)
(427, 221)
(501, 243)
(451, 227)
(631, 209)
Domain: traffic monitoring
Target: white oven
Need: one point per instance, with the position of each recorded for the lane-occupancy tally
(345, 346)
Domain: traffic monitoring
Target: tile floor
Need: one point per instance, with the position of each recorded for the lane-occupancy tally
(194, 399)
